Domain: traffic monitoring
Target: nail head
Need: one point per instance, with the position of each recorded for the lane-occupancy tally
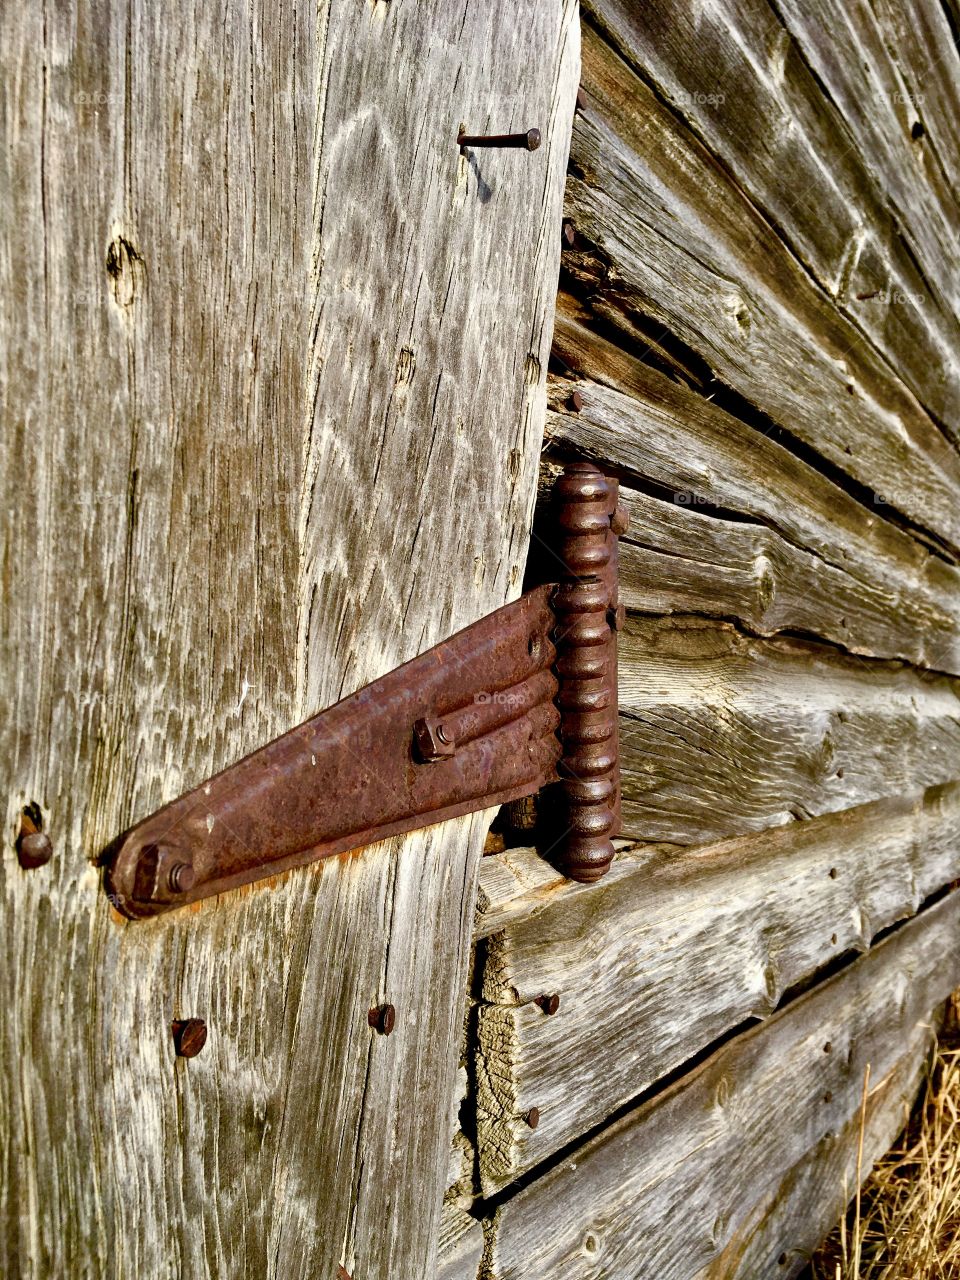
(533, 1117)
(549, 1004)
(382, 1018)
(189, 1037)
(34, 849)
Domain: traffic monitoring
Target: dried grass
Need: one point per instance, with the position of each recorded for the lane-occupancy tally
(905, 1223)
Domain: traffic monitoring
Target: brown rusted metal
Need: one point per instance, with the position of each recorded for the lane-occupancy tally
(528, 141)
(549, 1004)
(189, 1037)
(34, 846)
(357, 773)
(472, 723)
(586, 604)
(382, 1018)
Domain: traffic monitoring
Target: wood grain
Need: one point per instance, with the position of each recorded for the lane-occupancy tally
(730, 523)
(678, 950)
(691, 1184)
(260, 319)
(669, 246)
(723, 734)
(737, 79)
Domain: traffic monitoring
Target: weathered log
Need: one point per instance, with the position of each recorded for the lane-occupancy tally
(655, 965)
(735, 525)
(668, 236)
(712, 1178)
(737, 78)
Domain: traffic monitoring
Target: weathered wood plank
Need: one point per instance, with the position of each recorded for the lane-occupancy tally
(722, 734)
(785, 548)
(683, 946)
(735, 76)
(669, 241)
(461, 1244)
(689, 1183)
(258, 316)
(845, 47)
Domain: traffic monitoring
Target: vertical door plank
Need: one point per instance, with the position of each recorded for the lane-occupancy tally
(272, 365)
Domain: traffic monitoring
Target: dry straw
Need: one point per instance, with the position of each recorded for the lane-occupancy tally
(905, 1224)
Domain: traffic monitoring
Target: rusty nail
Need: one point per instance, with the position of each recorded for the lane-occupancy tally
(533, 1117)
(620, 520)
(616, 617)
(581, 100)
(569, 232)
(189, 1037)
(576, 401)
(549, 1004)
(529, 141)
(34, 847)
(343, 1273)
(382, 1017)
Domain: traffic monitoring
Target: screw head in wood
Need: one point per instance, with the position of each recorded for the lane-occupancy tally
(382, 1018)
(533, 1117)
(549, 1004)
(189, 1037)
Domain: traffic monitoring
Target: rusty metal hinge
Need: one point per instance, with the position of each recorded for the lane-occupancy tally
(525, 697)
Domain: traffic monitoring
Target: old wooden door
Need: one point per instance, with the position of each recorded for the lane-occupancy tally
(273, 366)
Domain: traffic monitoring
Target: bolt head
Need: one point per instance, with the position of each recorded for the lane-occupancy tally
(433, 740)
(189, 1037)
(182, 877)
(34, 849)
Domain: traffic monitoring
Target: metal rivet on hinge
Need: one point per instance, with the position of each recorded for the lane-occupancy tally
(189, 1037)
(533, 1117)
(382, 1018)
(528, 141)
(34, 847)
(549, 1004)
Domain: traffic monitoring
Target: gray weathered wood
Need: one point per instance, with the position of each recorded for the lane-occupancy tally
(732, 72)
(847, 48)
(823, 563)
(723, 734)
(683, 946)
(260, 320)
(668, 237)
(716, 1166)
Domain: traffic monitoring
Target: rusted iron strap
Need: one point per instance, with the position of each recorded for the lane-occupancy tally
(355, 773)
(478, 720)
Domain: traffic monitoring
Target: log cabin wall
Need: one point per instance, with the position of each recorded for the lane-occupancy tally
(757, 332)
